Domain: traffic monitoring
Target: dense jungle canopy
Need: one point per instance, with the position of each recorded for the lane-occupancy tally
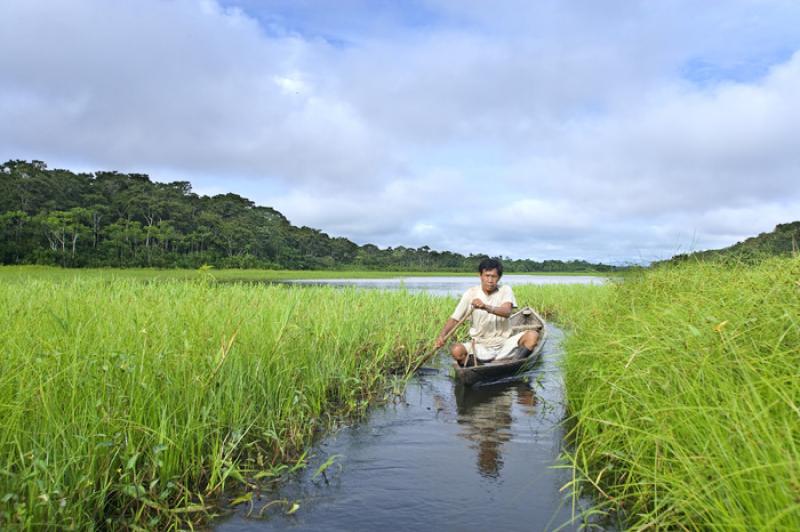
(54, 216)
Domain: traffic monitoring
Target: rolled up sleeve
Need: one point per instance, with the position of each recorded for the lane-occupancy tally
(463, 307)
(508, 295)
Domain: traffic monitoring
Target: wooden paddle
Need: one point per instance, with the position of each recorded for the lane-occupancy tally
(446, 337)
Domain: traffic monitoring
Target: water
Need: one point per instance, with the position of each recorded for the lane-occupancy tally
(451, 285)
(438, 457)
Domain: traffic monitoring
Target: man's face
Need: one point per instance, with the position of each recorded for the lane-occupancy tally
(489, 280)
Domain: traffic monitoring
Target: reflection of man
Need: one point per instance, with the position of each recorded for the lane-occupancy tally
(526, 397)
(486, 419)
(491, 435)
(491, 333)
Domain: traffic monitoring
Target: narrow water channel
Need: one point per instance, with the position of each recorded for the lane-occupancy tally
(440, 457)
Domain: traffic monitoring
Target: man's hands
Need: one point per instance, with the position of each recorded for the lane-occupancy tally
(503, 310)
(449, 325)
(478, 303)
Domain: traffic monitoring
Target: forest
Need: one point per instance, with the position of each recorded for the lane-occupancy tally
(114, 219)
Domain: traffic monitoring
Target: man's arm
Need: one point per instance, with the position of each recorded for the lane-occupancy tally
(503, 310)
(461, 311)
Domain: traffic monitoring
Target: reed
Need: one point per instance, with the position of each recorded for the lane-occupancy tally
(23, 273)
(565, 303)
(135, 404)
(17, 273)
(684, 395)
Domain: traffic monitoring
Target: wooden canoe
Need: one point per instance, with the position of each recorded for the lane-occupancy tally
(524, 320)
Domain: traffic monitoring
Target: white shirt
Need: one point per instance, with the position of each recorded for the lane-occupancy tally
(486, 328)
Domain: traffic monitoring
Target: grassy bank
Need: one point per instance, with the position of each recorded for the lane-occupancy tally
(12, 273)
(139, 402)
(125, 402)
(565, 303)
(684, 389)
(17, 273)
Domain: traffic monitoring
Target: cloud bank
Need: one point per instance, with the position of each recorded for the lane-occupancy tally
(623, 132)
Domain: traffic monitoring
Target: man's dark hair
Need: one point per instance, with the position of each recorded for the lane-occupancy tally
(491, 264)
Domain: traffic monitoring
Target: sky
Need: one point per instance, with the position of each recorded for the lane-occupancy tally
(620, 131)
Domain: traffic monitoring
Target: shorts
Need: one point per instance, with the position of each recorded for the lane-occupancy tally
(487, 353)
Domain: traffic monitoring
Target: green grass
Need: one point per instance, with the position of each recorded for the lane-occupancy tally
(563, 303)
(17, 273)
(684, 394)
(140, 402)
(126, 403)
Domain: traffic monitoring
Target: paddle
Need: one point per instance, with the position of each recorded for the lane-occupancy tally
(446, 337)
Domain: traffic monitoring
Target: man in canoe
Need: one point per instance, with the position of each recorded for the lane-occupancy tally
(490, 331)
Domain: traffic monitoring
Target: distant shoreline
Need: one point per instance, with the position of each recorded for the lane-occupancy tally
(249, 274)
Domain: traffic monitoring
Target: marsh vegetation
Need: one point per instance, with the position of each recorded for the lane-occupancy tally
(129, 400)
(684, 394)
(140, 402)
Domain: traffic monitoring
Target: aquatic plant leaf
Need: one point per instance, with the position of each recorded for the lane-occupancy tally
(325, 465)
(247, 497)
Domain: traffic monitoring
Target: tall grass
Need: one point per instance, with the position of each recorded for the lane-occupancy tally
(684, 393)
(129, 404)
(565, 303)
(23, 273)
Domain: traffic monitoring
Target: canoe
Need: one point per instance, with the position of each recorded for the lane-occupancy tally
(524, 320)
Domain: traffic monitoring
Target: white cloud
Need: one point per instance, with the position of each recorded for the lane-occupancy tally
(178, 83)
(619, 131)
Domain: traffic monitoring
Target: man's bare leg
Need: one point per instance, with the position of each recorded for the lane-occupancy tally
(528, 340)
(525, 345)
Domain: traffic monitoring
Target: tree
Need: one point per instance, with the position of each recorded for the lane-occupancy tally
(112, 218)
(15, 236)
(63, 229)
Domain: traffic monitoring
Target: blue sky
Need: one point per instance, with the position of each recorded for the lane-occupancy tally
(620, 131)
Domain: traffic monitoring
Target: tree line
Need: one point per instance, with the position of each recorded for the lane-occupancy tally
(102, 219)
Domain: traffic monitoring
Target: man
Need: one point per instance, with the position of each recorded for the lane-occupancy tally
(490, 330)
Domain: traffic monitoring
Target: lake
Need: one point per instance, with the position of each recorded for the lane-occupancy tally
(454, 285)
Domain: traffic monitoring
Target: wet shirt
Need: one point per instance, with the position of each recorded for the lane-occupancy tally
(486, 328)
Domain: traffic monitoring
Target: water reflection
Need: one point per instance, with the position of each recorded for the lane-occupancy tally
(485, 415)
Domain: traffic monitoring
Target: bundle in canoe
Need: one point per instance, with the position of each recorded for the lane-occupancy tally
(524, 320)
